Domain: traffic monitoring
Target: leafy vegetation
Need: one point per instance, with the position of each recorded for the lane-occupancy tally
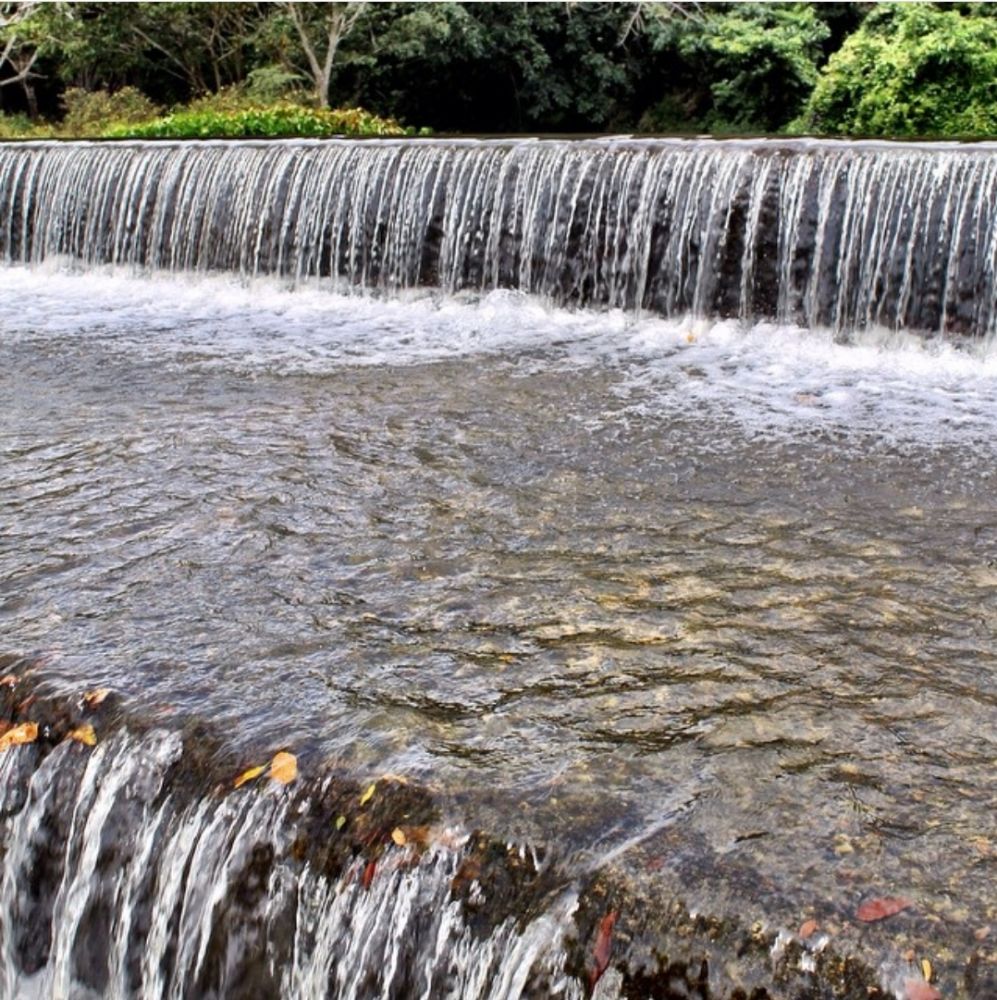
(274, 121)
(277, 68)
(761, 63)
(911, 69)
(87, 112)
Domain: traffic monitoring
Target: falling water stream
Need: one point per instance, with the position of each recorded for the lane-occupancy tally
(632, 500)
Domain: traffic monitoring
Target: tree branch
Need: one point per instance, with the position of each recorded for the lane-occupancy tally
(23, 73)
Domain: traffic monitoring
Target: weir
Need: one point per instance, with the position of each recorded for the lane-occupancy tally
(682, 698)
(818, 234)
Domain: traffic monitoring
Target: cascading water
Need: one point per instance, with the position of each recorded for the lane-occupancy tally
(118, 883)
(824, 234)
(703, 608)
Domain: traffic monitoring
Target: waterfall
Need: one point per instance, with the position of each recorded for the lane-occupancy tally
(819, 234)
(118, 883)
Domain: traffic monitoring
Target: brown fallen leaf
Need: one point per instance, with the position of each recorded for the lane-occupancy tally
(284, 767)
(248, 775)
(26, 732)
(8, 680)
(26, 704)
(418, 835)
(398, 836)
(926, 969)
(469, 870)
(807, 929)
(368, 873)
(981, 933)
(603, 948)
(83, 734)
(879, 909)
(918, 989)
(93, 698)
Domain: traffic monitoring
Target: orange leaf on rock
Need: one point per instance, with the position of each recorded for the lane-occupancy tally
(83, 734)
(284, 768)
(918, 989)
(93, 698)
(807, 929)
(8, 680)
(26, 732)
(398, 836)
(603, 948)
(418, 835)
(880, 909)
(248, 775)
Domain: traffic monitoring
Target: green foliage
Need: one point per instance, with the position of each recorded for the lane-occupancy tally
(270, 84)
(275, 121)
(88, 112)
(497, 67)
(757, 60)
(911, 69)
(14, 126)
(487, 67)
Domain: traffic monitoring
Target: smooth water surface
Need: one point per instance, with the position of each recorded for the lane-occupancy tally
(600, 581)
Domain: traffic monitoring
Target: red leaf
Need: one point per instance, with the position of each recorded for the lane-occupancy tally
(880, 909)
(603, 948)
(807, 929)
(368, 873)
(918, 989)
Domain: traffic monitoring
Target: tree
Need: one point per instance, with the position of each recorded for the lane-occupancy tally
(759, 62)
(20, 49)
(911, 69)
(318, 29)
(500, 67)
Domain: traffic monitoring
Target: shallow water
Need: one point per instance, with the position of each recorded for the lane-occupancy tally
(606, 583)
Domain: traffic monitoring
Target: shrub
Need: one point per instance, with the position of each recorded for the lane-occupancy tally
(752, 67)
(88, 112)
(271, 84)
(14, 126)
(910, 69)
(275, 121)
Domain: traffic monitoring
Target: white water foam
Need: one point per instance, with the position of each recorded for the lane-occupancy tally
(769, 379)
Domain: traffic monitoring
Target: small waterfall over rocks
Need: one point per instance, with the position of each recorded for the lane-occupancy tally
(132, 866)
(116, 884)
(820, 234)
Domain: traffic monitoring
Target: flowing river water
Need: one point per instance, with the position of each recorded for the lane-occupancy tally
(712, 602)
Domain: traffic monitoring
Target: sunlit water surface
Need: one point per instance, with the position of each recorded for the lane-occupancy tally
(605, 582)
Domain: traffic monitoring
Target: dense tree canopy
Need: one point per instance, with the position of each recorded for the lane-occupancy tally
(912, 69)
(852, 68)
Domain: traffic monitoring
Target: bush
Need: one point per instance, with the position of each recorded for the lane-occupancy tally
(272, 84)
(752, 67)
(88, 112)
(910, 69)
(14, 126)
(275, 121)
